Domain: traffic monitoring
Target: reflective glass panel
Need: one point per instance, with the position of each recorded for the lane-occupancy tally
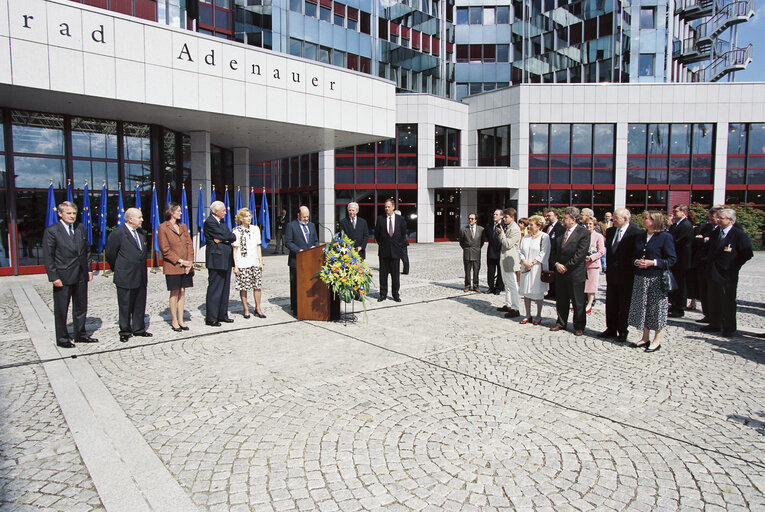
(37, 133)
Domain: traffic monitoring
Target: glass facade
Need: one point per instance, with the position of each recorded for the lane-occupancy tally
(494, 146)
(745, 176)
(447, 147)
(571, 164)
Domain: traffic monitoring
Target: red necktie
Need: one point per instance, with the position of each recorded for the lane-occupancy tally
(565, 238)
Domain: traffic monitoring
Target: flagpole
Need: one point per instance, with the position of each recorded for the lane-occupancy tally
(155, 220)
(107, 271)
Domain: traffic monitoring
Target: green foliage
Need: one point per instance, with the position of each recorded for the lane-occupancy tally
(344, 271)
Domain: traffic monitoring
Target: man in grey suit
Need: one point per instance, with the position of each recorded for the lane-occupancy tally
(509, 238)
(66, 254)
(471, 241)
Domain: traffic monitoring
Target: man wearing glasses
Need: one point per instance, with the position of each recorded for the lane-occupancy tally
(471, 241)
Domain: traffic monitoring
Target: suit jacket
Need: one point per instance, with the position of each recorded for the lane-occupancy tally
(218, 256)
(510, 240)
(360, 235)
(703, 235)
(682, 234)
(620, 264)
(125, 258)
(493, 247)
(661, 247)
(558, 230)
(572, 254)
(390, 246)
(66, 257)
(726, 257)
(174, 247)
(471, 245)
(295, 240)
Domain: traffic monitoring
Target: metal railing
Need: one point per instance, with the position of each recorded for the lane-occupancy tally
(729, 14)
(733, 60)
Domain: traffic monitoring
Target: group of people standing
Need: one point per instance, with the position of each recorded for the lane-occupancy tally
(562, 260)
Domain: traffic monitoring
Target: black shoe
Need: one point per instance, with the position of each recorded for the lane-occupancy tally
(381, 298)
(143, 334)
(212, 324)
(184, 327)
(124, 338)
(491, 290)
(622, 338)
(87, 339)
(607, 334)
(675, 314)
(710, 328)
(246, 316)
(397, 299)
(227, 320)
(504, 308)
(65, 344)
(497, 292)
(704, 320)
(176, 329)
(513, 313)
(260, 315)
(649, 350)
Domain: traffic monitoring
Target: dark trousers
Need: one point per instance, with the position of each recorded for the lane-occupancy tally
(78, 294)
(570, 292)
(132, 307)
(493, 275)
(703, 291)
(722, 305)
(279, 247)
(389, 266)
(293, 290)
(679, 298)
(472, 268)
(218, 288)
(405, 261)
(618, 296)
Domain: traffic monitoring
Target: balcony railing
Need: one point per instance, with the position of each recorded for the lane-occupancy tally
(733, 60)
(730, 14)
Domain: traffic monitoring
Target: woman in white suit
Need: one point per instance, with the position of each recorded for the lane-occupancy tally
(534, 254)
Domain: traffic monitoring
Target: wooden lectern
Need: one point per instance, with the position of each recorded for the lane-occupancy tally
(314, 298)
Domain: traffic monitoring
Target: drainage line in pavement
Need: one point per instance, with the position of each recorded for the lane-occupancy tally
(149, 344)
(546, 400)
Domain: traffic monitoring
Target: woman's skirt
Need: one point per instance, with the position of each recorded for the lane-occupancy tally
(178, 281)
(649, 304)
(249, 278)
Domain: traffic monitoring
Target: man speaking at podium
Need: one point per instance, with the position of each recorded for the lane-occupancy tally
(298, 236)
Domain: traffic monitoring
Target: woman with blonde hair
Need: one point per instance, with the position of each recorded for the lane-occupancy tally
(535, 254)
(654, 252)
(248, 261)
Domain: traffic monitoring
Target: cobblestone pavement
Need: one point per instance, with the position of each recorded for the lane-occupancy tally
(436, 403)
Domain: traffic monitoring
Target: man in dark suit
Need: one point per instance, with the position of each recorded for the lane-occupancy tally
(126, 253)
(471, 241)
(390, 235)
(219, 259)
(554, 230)
(66, 254)
(728, 251)
(682, 233)
(620, 273)
(299, 235)
(356, 229)
(570, 251)
(707, 232)
(493, 250)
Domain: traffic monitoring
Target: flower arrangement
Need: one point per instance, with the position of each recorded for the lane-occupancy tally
(344, 271)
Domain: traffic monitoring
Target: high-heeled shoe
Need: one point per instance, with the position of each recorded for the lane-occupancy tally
(526, 320)
(640, 344)
(184, 327)
(246, 316)
(589, 310)
(537, 322)
(649, 350)
(176, 329)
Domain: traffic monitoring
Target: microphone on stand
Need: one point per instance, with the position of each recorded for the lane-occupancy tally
(331, 233)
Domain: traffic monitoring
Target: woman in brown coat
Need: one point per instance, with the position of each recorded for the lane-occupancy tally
(177, 260)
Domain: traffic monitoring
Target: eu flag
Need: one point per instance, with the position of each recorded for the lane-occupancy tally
(155, 220)
(185, 209)
(69, 191)
(228, 208)
(238, 202)
(265, 222)
(86, 219)
(120, 208)
(137, 196)
(251, 205)
(168, 198)
(201, 216)
(51, 215)
(102, 220)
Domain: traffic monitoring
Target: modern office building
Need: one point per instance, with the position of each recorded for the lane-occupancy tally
(119, 98)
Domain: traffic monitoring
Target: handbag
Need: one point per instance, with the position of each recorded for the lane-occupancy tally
(668, 281)
(548, 276)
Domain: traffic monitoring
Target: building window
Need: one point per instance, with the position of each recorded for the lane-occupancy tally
(746, 163)
(462, 15)
(503, 15)
(494, 146)
(647, 18)
(488, 16)
(447, 146)
(476, 15)
(646, 64)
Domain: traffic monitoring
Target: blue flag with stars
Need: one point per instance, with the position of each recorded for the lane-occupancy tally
(155, 220)
(120, 209)
(51, 216)
(185, 209)
(228, 208)
(69, 196)
(86, 219)
(102, 220)
(251, 205)
(238, 202)
(265, 222)
(168, 197)
(137, 196)
(201, 216)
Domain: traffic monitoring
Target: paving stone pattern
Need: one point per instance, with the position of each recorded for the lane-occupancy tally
(437, 403)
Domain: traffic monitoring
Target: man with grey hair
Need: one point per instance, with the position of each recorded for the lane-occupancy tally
(219, 257)
(356, 228)
(66, 254)
(126, 253)
(570, 271)
(620, 273)
(729, 248)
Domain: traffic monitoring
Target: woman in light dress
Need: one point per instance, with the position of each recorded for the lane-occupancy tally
(248, 261)
(597, 250)
(535, 253)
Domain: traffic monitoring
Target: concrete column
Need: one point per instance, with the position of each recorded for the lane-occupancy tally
(468, 204)
(721, 163)
(242, 174)
(201, 174)
(620, 165)
(519, 159)
(426, 197)
(326, 194)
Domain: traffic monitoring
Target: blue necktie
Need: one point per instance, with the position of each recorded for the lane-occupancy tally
(305, 232)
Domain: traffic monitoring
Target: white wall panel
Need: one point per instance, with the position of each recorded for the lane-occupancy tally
(66, 70)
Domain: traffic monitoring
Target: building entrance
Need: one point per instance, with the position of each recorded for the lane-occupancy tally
(490, 200)
(447, 223)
